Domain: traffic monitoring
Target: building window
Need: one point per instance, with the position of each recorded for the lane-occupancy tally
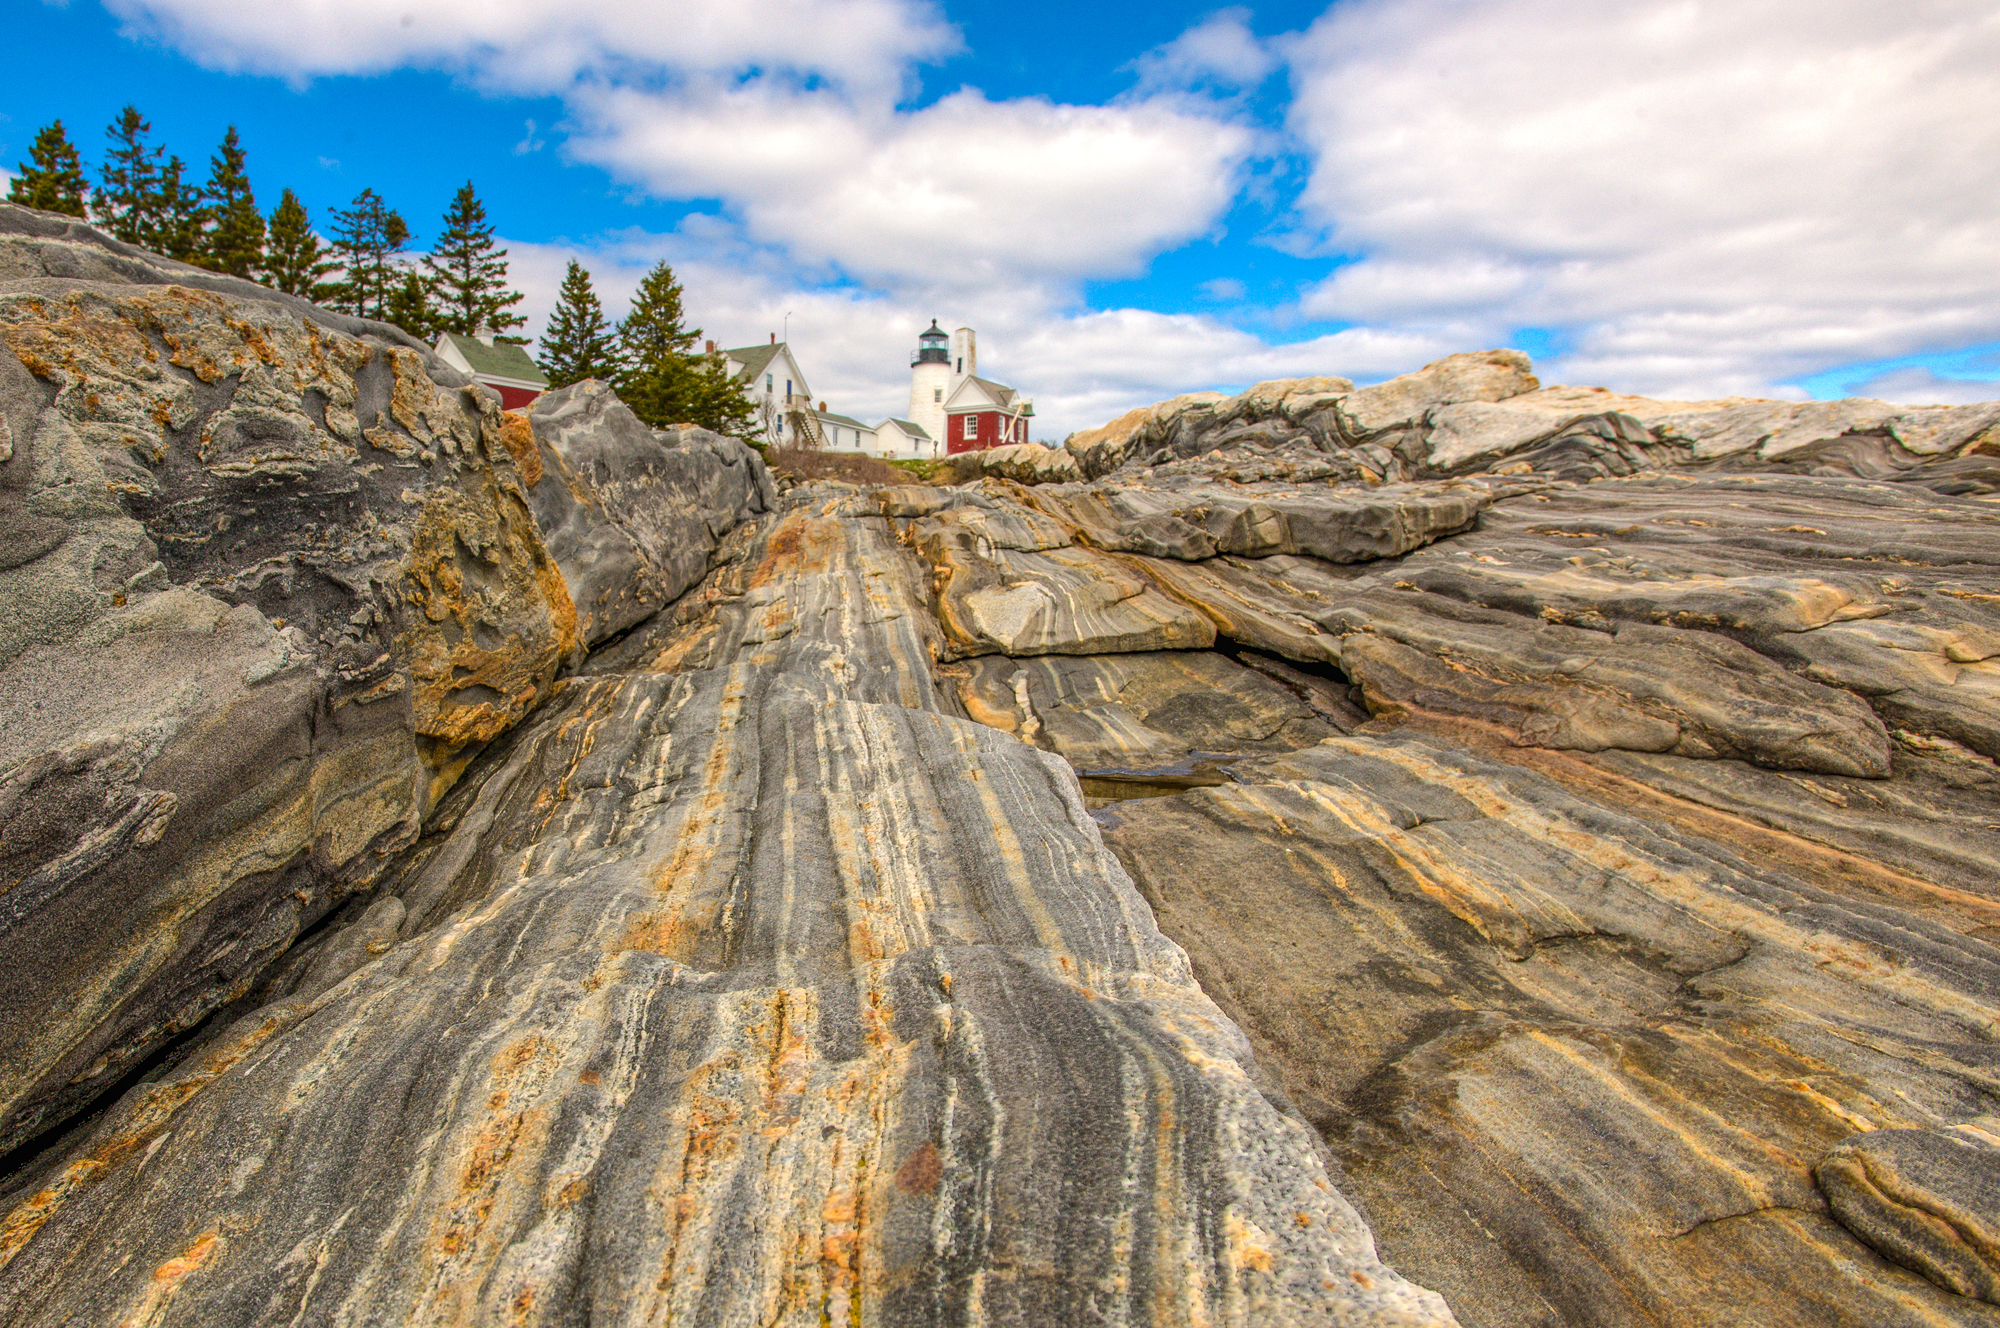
(788, 389)
(767, 384)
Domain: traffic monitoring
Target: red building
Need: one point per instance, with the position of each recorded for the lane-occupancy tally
(503, 366)
(981, 413)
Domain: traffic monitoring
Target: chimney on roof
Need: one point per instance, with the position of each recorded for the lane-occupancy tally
(822, 408)
(709, 346)
(774, 338)
(483, 334)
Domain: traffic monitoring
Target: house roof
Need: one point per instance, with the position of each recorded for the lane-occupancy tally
(502, 359)
(912, 429)
(999, 394)
(754, 358)
(852, 423)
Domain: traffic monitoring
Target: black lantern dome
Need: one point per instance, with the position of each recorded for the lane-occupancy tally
(931, 348)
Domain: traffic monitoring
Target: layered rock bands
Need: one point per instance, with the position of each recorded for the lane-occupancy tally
(460, 867)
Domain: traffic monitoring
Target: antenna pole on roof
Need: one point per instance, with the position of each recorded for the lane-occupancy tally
(788, 327)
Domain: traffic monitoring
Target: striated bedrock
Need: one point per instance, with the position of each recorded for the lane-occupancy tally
(1487, 412)
(1580, 1045)
(746, 982)
(271, 580)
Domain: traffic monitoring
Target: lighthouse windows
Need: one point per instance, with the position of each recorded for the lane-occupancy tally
(937, 394)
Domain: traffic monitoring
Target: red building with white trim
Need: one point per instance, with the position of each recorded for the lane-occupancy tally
(981, 413)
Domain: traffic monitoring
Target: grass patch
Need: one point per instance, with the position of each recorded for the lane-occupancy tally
(804, 463)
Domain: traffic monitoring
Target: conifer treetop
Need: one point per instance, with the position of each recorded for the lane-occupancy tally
(128, 202)
(578, 342)
(233, 238)
(467, 271)
(294, 260)
(52, 177)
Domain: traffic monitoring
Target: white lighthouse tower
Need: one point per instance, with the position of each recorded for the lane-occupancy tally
(931, 380)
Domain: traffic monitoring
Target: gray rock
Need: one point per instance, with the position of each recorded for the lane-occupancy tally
(631, 516)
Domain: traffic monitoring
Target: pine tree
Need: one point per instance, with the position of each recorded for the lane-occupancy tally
(655, 347)
(178, 233)
(232, 227)
(367, 236)
(663, 380)
(294, 261)
(413, 305)
(578, 342)
(128, 191)
(720, 403)
(468, 274)
(52, 177)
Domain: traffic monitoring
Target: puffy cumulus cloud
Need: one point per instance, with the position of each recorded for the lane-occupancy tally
(1081, 367)
(542, 44)
(1220, 52)
(1702, 197)
(983, 193)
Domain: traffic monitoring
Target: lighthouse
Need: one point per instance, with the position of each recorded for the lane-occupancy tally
(931, 380)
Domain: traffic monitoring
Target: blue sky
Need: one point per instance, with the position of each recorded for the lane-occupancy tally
(1676, 197)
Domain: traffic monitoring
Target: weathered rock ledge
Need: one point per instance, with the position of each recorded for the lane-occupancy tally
(469, 867)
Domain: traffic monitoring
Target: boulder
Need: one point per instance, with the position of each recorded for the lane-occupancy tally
(1024, 463)
(631, 514)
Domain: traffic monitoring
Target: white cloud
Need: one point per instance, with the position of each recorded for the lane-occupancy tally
(1918, 386)
(967, 192)
(1704, 197)
(1220, 51)
(543, 44)
(1081, 368)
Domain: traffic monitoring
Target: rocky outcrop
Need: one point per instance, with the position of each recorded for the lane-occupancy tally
(270, 585)
(1533, 843)
(1487, 413)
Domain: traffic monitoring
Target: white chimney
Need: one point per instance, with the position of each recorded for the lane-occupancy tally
(964, 353)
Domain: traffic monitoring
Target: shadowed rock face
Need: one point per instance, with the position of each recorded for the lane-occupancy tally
(270, 585)
(1559, 829)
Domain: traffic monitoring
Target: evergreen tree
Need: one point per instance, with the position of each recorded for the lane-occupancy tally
(294, 261)
(468, 274)
(52, 177)
(367, 236)
(128, 192)
(663, 380)
(578, 342)
(179, 216)
(413, 305)
(232, 227)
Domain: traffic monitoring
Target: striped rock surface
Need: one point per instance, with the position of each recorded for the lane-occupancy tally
(763, 990)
